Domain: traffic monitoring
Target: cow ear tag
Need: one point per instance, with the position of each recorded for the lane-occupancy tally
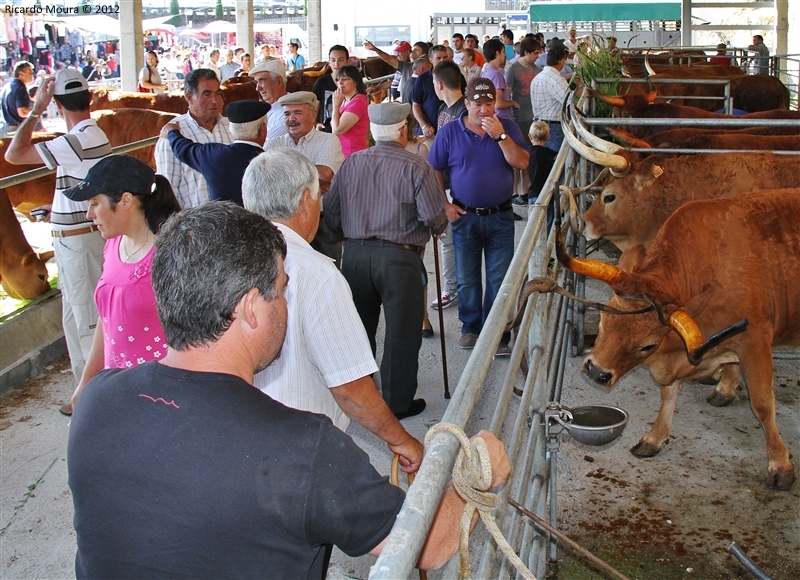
(657, 171)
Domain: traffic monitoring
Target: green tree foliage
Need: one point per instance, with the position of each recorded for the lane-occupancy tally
(173, 7)
(218, 10)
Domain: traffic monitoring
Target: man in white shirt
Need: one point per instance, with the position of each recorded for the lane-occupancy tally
(203, 123)
(548, 90)
(77, 243)
(326, 364)
(270, 77)
(323, 149)
(211, 62)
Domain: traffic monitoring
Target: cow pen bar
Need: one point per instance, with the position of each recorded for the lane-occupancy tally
(526, 444)
(42, 171)
(677, 122)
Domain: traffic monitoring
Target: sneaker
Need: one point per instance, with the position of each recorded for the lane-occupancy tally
(503, 350)
(520, 200)
(467, 340)
(447, 300)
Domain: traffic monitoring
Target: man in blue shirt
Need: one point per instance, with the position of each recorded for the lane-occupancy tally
(223, 166)
(16, 102)
(481, 151)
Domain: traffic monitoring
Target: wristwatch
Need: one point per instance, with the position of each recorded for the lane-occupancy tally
(501, 137)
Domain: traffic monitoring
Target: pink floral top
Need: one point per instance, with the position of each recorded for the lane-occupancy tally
(355, 138)
(132, 333)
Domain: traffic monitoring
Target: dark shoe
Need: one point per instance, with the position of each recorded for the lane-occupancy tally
(503, 350)
(427, 332)
(520, 200)
(66, 409)
(417, 407)
(517, 217)
(467, 340)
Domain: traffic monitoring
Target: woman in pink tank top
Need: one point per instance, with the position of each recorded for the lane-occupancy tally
(128, 203)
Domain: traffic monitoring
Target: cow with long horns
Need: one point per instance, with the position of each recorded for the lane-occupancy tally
(715, 264)
(639, 195)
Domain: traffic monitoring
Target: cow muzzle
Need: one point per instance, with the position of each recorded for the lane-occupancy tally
(597, 374)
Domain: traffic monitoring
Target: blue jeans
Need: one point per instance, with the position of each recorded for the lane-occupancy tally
(556, 136)
(477, 239)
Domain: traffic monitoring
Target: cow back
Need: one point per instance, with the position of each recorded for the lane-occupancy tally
(123, 126)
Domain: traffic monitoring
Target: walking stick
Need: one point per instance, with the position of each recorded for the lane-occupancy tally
(441, 314)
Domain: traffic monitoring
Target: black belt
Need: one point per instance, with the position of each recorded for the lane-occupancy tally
(484, 211)
(418, 250)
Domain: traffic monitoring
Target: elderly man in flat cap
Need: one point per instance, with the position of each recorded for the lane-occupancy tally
(223, 166)
(384, 202)
(323, 149)
(270, 77)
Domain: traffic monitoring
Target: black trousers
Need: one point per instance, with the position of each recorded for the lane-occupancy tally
(392, 277)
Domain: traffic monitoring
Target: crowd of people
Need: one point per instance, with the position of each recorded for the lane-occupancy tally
(221, 312)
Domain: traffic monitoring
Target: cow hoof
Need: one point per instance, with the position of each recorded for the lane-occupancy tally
(643, 449)
(717, 399)
(780, 481)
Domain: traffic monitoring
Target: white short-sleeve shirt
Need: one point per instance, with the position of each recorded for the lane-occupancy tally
(326, 345)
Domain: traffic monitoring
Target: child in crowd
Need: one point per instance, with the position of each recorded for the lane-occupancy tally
(540, 165)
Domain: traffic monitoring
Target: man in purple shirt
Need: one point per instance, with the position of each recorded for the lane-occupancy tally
(481, 151)
(495, 53)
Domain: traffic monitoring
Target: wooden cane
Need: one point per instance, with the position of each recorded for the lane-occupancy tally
(441, 314)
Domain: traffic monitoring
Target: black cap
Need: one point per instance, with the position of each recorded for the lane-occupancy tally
(115, 174)
(246, 111)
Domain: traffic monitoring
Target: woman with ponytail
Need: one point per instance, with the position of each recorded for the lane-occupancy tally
(128, 203)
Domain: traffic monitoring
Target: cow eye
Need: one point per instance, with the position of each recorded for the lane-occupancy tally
(42, 277)
(609, 198)
(648, 348)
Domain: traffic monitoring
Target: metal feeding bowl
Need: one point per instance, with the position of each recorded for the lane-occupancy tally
(596, 424)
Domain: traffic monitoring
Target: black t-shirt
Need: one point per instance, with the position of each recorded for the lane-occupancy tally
(539, 167)
(446, 115)
(178, 473)
(324, 89)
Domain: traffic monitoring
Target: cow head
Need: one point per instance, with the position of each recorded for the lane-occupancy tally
(28, 278)
(627, 339)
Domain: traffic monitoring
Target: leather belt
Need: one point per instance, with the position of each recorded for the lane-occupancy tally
(484, 211)
(78, 232)
(418, 250)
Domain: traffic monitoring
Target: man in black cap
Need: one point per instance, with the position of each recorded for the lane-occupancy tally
(384, 201)
(221, 165)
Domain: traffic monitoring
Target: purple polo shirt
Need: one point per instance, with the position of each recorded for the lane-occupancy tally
(497, 76)
(480, 176)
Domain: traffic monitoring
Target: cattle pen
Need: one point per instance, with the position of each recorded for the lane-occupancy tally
(658, 537)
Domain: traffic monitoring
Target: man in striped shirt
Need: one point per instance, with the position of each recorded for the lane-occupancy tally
(385, 201)
(203, 123)
(77, 243)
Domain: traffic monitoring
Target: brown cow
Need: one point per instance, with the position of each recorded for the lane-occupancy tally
(714, 140)
(674, 137)
(645, 107)
(713, 264)
(631, 208)
(122, 126)
(173, 102)
(23, 274)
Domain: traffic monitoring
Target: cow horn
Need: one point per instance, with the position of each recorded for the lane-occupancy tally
(609, 99)
(647, 67)
(687, 329)
(628, 139)
(593, 140)
(618, 164)
(651, 97)
(603, 271)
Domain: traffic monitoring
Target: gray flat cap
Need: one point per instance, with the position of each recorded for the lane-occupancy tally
(299, 98)
(388, 113)
(270, 65)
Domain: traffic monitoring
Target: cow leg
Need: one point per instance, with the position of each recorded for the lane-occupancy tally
(725, 392)
(758, 371)
(652, 443)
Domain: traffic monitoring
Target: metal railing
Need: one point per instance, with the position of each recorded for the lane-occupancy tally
(544, 338)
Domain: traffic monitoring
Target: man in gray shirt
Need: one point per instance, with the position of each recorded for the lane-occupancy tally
(385, 201)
